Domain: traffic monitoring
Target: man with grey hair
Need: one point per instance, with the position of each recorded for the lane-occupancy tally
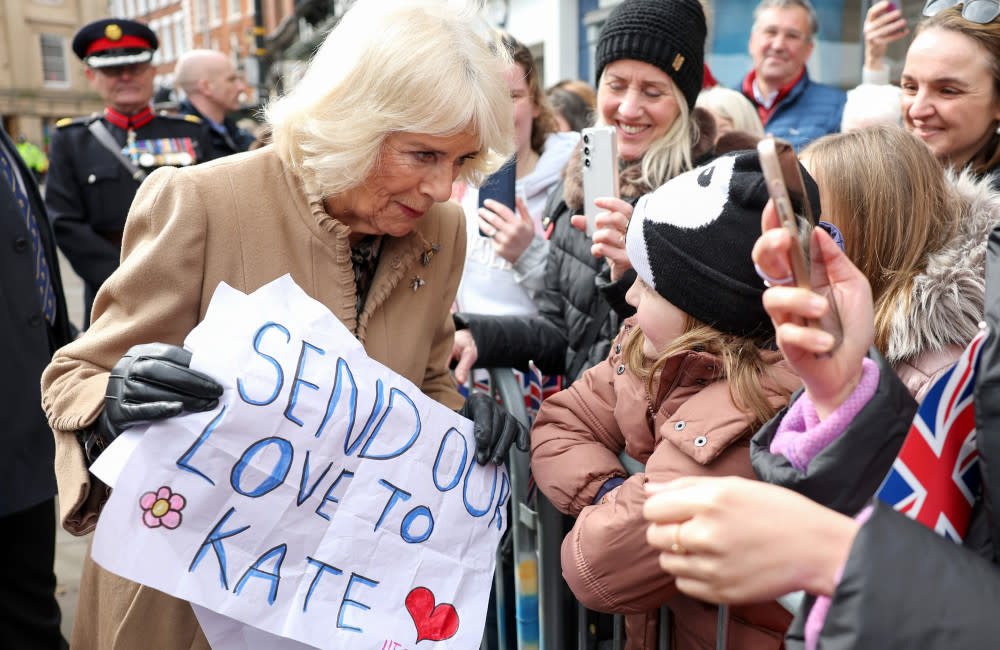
(212, 90)
(790, 105)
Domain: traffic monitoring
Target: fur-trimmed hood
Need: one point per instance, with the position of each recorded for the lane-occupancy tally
(947, 301)
(629, 183)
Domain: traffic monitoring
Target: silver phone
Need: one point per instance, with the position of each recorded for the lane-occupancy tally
(780, 166)
(600, 169)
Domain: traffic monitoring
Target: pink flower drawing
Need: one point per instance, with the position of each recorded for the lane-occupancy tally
(162, 507)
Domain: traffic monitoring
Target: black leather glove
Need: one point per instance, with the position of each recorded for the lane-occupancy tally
(495, 431)
(151, 382)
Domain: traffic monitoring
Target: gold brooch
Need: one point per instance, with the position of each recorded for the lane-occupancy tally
(113, 32)
(678, 62)
(429, 253)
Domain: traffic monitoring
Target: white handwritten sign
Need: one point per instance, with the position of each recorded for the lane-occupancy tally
(326, 499)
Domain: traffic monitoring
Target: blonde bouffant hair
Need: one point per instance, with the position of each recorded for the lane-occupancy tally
(391, 66)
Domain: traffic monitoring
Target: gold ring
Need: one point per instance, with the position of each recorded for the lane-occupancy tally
(677, 547)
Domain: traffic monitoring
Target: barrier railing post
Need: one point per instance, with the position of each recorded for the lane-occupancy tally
(523, 520)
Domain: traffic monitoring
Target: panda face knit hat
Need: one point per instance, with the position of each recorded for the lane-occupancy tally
(691, 239)
(669, 34)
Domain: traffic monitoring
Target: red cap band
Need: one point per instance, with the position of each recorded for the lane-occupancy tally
(106, 43)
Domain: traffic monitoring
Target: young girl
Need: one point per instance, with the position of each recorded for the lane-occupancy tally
(919, 237)
(689, 379)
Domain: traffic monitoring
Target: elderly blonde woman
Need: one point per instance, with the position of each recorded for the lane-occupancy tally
(400, 101)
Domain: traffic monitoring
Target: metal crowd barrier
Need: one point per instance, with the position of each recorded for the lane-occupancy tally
(541, 596)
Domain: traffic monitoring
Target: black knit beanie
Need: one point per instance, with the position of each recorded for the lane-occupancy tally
(691, 239)
(669, 34)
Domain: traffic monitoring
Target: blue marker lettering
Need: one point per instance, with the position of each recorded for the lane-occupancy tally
(280, 379)
(298, 381)
(397, 495)
(277, 475)
(407, 525)
(504, 493)
(348, 602)
(306, 493)
(465, 491)
(329, 494)
(274, 577)
(349, 446)
(393, 392)
(448, 435)
(343, 372)
(321, 568)
(215, 540)
(184, 461)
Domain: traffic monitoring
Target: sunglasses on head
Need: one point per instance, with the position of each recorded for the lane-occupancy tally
(981, 12)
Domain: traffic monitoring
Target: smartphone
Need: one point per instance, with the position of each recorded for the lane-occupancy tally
(600, 169)
(499, 186)
(791, 201)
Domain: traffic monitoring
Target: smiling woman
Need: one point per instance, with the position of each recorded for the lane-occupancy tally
(951, 88)
(350, 201)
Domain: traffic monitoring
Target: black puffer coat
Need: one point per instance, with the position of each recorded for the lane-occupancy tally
(561, 339)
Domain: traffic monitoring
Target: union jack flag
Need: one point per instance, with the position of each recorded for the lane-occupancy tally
(936, 476)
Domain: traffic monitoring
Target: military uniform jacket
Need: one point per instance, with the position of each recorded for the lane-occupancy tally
(89, 191)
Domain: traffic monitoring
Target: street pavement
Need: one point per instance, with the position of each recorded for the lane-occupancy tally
(70, 550)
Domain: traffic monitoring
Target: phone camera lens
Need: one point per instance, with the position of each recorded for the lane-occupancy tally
(586, 151)
(586, 162)
(586, 138)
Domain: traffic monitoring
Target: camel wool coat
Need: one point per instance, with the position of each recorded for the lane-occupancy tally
(245, 220)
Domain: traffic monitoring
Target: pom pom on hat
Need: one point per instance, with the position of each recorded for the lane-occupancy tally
(691, 239)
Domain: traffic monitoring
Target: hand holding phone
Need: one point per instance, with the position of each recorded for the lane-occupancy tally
(499, 186)
(884, 24)
(600, 169)
(791, 201)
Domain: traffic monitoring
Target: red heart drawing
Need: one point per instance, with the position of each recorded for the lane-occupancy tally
(433, 623)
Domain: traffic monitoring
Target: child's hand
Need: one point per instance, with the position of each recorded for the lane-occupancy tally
(609, 233)
(829, 378)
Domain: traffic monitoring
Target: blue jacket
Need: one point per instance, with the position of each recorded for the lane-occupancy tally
(810, 110)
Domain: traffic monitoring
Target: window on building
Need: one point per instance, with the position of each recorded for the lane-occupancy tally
(216, 10)
(54, 69)
(166, 37)
(179, 40)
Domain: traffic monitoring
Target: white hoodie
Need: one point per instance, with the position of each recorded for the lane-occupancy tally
(490, 284)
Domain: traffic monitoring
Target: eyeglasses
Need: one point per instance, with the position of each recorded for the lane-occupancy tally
(981, 12)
